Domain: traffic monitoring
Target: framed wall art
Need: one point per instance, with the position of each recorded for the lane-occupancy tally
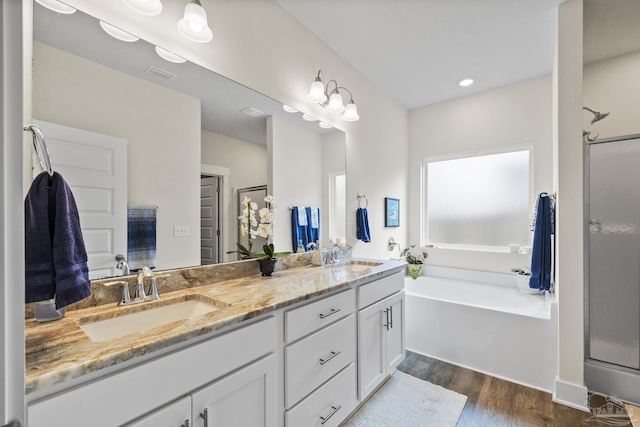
(392, 212)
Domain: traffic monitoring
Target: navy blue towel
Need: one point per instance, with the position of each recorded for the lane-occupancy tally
(55, 255)
(141, 237)
(541, 256)
(313, 220)
(362, 225)
(299, 232)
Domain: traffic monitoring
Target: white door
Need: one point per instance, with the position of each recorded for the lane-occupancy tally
(209, 220)
(371, 348)
(95, 167)
(245, 398)
(395, 333)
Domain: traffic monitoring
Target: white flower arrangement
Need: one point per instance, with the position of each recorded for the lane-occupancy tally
(250, 227)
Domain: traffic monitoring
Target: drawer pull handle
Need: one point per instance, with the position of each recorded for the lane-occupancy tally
(205, 416)
(391, 317)
(333, 354)
(332, 311)
(386, 313)
(334, 409)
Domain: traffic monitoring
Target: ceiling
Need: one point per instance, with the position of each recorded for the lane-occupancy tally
(418, 50)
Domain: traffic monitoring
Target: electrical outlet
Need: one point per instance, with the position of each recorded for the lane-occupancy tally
(181, 231)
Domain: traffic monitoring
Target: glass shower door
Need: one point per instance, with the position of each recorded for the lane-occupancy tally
(614, 252)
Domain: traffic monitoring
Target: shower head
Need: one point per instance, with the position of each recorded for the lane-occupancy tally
(597, 115)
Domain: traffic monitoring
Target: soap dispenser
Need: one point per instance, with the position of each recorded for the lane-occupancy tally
(316, 257)
(300, 249)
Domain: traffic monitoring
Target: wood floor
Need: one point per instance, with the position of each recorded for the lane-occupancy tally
(493, 402)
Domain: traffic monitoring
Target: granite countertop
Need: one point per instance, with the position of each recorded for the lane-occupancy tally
(60, 351)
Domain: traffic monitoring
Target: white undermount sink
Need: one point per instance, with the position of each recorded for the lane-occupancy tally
(115, 327)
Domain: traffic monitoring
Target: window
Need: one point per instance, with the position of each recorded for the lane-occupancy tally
(478, 200)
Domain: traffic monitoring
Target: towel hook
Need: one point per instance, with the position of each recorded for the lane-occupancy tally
(360, 197)
(40, 145)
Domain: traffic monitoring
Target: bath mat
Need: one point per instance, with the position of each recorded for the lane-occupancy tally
(408, 401)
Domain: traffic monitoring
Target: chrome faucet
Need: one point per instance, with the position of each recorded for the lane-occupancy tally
(140, 293)
(122, 264)
(333, 258)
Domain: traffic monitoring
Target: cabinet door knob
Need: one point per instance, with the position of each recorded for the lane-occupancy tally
(332, 311)
(334, 409)
(331, 356)
(205, 416)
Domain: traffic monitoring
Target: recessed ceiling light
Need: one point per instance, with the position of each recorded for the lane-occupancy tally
(169, 56)
(118, 33)
(325, 125)
(309, 118)
(56, 6)
(289, 109)
(145, 7)
(467, 81)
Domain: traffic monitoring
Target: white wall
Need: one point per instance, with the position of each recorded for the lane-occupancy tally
(247, 164)
(295, 176)
(613, 86)
(333, 160)
(260, 45)
(72, 91)
(518, 114)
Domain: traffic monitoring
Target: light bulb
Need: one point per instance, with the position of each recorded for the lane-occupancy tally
(194, 24)
(468, 81)
(316, 92)
(335, 103)
(118, 33)
(56, 6)
(350, 112)
(145, 7)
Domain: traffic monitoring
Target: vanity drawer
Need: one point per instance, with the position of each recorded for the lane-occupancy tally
(380, 289)
(331, 403)
(305, 320)
(316, 358)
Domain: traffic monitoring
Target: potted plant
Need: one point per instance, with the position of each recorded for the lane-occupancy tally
(415, 262)
(250, 227)
(268, 261)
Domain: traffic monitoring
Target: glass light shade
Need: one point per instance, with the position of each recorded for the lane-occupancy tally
(468, 81)
(169, 56)
(118, 33)
(56, 6)
(194, 24)
(350, 113)
(325, 125)
(289, 109)
(145, 7)
(335, 103)
(309, 118)
(316, 92)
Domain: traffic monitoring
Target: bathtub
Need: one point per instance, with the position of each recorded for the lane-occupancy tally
(479, 320)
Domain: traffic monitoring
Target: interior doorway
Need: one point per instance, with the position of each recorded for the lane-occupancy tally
(210, 220)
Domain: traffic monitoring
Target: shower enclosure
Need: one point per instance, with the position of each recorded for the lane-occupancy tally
(612, 353)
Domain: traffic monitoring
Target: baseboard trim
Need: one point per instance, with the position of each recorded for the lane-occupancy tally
(571, 395)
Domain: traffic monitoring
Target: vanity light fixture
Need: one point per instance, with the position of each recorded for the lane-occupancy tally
(118, 33)
(467, 81)
(194, 25)
(288, 109)
(332, 99)
(169, 56)
(145, 7)
(56, 6)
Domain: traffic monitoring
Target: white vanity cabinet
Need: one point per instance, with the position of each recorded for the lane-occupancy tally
(381, 345)
(175, 414)
(148, 387)
(319, 361)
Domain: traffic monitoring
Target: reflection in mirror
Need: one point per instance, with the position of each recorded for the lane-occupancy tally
(177, 125)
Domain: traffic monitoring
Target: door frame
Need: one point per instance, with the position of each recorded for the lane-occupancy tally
(14, 138)
(226, 207)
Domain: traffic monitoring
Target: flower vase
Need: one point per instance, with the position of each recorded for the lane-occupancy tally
(415, 270)
(267, 265)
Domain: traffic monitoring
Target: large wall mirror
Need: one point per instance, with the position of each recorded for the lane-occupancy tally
(134, 133)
